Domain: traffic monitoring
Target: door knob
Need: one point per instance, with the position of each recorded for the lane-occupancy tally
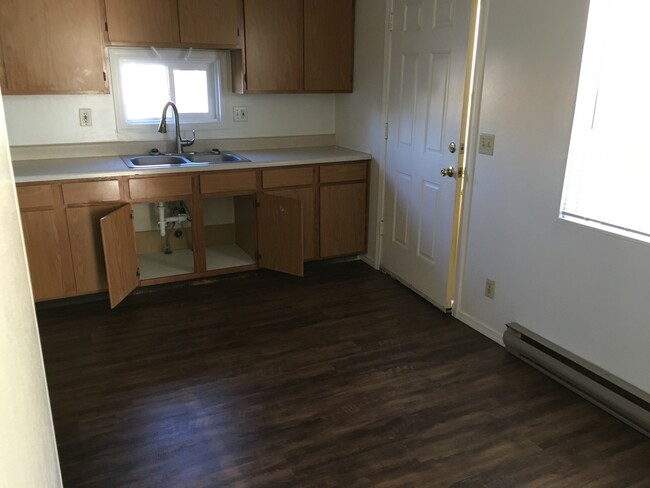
(451, 172)
(452, 147)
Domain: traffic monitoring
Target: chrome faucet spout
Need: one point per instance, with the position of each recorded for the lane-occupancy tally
(162, 128)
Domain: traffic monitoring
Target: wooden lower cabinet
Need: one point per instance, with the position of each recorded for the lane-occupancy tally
(343, 219)
(79, 241)
(86, 246)
(280, 234)
(306, 198)
(47, 254)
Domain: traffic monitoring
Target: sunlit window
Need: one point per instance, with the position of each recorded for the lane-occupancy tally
(608, 169)
(145, 79)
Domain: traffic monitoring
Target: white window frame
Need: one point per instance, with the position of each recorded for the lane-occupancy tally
(214, 62)
(580, 165)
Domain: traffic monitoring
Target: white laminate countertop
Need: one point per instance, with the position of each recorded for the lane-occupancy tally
(103, 167)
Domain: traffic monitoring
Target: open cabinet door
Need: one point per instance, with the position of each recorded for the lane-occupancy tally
(120, 255)
(280, 234)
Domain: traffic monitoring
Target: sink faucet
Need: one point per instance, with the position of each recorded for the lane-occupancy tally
(162, 128)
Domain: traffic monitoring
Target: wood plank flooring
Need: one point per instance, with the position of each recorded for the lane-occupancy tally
(341, 379)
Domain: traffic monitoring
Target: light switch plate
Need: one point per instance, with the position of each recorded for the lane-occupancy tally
(240, 114)
(486, 144)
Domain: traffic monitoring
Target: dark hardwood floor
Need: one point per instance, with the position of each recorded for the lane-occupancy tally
(341, 379)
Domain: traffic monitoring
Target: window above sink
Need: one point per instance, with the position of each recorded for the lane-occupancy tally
(144, 79)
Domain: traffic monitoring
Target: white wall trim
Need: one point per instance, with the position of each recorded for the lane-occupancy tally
(369, 260)
(471, 151)
(481, 327)
(383, 161)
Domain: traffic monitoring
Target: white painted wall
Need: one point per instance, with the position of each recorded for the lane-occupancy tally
(54, 119)
(359, 115)
(28, 456)
(582, 289)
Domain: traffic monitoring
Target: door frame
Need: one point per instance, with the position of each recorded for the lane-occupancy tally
(466, 158)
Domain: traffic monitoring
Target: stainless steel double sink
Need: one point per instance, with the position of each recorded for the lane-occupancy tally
(180, 160)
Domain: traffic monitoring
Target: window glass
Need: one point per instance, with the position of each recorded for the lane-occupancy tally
(608, 167)
(191, 88)
(143, 80)
(145, 89)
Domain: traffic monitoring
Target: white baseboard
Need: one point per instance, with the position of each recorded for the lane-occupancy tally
(481, 327)
(369, 260)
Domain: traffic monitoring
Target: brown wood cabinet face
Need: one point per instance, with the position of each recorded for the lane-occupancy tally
(86, 246)
(160, 187)
(144, 22)
(280, 234)
(44, 254)
(228, 182)
(35, 196)
(342, 219)
(52, 46)
(306, 197)
(91, 192)
(121, 257)
(329, 45)
(283, 177)
(337, 173)
(273, 45)
(210, 22)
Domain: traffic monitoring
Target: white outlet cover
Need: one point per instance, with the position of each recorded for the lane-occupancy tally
(85, 117)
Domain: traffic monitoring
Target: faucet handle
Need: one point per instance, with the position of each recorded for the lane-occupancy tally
(188, 142)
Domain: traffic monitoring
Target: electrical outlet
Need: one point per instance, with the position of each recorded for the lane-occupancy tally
(490, 286)
(486, 144)
(85, 117)
(240, 114)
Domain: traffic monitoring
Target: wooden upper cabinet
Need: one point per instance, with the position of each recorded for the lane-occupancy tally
(211, 22)
(175, 23)
(142, 22)
(51, 46)
(273, 45)
(329, 45)
(296, 46)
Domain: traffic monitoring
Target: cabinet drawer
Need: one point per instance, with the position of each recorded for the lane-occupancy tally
(160, 187)
(35, 196)
(91, 192)
(333, 173)
(228, 182)
(277, 178)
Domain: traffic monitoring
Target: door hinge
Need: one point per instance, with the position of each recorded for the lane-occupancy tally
(137, 273)
(256, 203)
(131, 215)
(105, 26)
(381, 228)
(386, 131)
(391, 20)
(237, 31)
(104, 73)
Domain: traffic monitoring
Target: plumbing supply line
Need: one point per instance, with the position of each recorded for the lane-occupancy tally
(161, 219)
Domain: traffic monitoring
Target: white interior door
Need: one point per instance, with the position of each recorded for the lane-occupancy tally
(427, 85)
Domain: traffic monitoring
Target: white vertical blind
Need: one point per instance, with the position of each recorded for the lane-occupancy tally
(608, 168)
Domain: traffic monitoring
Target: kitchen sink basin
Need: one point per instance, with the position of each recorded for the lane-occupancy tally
(177, 160)
(154, 161)
(211, 158)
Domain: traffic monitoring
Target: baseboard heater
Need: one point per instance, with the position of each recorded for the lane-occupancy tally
(624, 401)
